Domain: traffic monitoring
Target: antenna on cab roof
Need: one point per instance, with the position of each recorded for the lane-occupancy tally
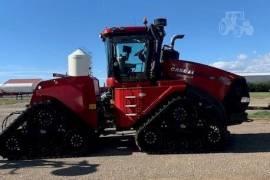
(145, 21)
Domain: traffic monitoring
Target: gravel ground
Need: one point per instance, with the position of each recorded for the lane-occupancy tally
(262, 102)
(247, 157)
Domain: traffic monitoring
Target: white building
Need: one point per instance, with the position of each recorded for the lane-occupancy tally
(19, 86)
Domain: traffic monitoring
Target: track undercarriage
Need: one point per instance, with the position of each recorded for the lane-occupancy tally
(45, 130)
(181, 124)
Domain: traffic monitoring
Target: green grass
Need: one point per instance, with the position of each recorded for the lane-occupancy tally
(260, 95)
(10, 101)
(265, 115)
(4, 101)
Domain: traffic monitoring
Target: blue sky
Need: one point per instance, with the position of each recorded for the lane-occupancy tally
(37, 36)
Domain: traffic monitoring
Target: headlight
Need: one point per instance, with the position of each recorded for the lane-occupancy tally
(245, 100)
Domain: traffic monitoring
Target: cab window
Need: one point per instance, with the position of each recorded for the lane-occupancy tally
(129, 57)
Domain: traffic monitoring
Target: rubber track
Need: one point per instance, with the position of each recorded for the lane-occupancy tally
(13, 127)
(151, 119)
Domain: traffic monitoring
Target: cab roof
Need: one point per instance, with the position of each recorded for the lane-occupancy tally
(107, 32)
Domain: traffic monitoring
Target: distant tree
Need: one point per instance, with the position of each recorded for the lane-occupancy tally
(259, 87)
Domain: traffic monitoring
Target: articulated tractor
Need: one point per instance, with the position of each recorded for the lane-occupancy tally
(170, 104)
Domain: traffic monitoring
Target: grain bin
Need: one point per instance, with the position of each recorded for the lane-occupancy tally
(78, 63)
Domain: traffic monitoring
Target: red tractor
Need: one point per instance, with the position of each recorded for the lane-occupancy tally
(171, 104)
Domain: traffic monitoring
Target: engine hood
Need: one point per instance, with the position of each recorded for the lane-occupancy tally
(181, 68)
(215, 81)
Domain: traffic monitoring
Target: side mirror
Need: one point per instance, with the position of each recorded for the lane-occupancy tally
(179, 36)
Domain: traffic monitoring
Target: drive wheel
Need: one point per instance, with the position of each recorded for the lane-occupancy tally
(182, 115)
(47, 118)
(149, 140)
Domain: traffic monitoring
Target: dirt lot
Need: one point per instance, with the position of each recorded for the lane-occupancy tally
(247, 157)
(260, 99)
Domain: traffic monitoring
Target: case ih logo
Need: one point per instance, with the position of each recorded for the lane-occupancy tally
(181, 70)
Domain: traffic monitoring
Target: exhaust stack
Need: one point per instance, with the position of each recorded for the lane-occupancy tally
(179, 36)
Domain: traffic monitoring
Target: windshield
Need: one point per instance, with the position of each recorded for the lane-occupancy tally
(129, 55)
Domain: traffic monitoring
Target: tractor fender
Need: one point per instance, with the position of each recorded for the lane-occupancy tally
(200, 97)
(79, 99)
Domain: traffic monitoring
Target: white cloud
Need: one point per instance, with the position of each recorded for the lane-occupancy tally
(258, 64)
(242, 56)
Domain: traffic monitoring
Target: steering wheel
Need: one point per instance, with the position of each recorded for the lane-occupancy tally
(141, 55)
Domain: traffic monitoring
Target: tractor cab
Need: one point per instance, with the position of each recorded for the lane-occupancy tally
(128, 57)
(134, 54)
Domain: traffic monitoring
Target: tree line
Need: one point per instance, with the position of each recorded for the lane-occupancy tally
(259, 87)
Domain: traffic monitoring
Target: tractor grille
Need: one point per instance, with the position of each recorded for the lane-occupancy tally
(232, 100)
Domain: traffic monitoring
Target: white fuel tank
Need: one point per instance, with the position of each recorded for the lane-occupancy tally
(79, 63)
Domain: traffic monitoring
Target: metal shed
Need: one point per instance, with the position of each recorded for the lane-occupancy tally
(19, 86)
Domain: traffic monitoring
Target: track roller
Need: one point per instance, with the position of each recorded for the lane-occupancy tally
(13, 147)
(150, 140)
